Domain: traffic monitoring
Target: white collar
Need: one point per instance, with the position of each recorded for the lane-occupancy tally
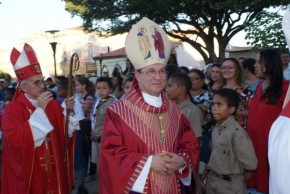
(155, 101)
(33, 102)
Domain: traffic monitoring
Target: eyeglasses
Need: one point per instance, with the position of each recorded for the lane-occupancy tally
(227, 67)
(194, 78)
(38, 83)
(153, 73)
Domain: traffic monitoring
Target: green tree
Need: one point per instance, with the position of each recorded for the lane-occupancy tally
(204, 24)
(2, 75)
(266, 31)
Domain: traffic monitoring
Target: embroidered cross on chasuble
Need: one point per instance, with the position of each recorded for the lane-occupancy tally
(49, 168)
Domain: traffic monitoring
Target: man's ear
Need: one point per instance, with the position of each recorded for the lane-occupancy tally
(137, 75)
(23, 87)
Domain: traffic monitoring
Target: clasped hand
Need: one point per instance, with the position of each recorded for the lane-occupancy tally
(166, 163)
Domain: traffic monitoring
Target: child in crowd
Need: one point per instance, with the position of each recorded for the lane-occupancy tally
(233, 156)
(80, 166)
(178, 89)
(127, 83)
(104, 88)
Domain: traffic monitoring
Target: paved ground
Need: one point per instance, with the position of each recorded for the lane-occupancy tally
(91, 186)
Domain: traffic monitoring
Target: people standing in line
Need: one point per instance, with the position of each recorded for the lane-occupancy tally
(85, 90)
(217, 80)
(233, 154)
(104, 88)
(251, 80)
(146, 138)
(232, 72)
(264, 108)
(34, 159)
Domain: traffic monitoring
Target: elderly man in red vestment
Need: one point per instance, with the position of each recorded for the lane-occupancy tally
(33, 134)
(147, 145)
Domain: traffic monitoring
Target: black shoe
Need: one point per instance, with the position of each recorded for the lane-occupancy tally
(82, 190)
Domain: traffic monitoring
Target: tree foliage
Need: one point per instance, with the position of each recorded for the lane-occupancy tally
(266, 31)
(204, 24)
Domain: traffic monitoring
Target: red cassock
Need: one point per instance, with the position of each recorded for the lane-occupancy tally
(132, 133)
(26, 169)
(261, 117)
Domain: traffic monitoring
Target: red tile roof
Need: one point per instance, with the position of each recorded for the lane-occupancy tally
(113, 54)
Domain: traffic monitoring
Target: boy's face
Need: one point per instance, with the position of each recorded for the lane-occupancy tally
(220, 109)
(61, 92)
(103, 89)
(173, 90)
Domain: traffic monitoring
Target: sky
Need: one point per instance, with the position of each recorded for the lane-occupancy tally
(22, 18)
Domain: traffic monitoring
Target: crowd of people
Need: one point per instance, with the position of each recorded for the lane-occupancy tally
(153, 127)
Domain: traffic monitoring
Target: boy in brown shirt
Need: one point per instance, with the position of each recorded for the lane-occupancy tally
(178, 87)
(232, 150)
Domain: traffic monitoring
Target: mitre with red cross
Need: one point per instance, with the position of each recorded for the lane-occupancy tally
(25, 64)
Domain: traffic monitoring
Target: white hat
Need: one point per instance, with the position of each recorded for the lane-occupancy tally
(25, 64)
(147, 44)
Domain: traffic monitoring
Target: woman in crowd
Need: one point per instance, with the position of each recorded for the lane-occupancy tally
(129, 69)
(251, 80)
(118, 90)
(217, 80)
(202, 99)
(200, 95)
(233, 75)
(264, 108)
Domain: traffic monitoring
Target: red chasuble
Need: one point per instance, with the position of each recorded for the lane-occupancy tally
(261, 117)
(132, 133)
(30, 170)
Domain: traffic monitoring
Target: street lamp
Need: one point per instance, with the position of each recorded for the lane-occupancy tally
(53, 44)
